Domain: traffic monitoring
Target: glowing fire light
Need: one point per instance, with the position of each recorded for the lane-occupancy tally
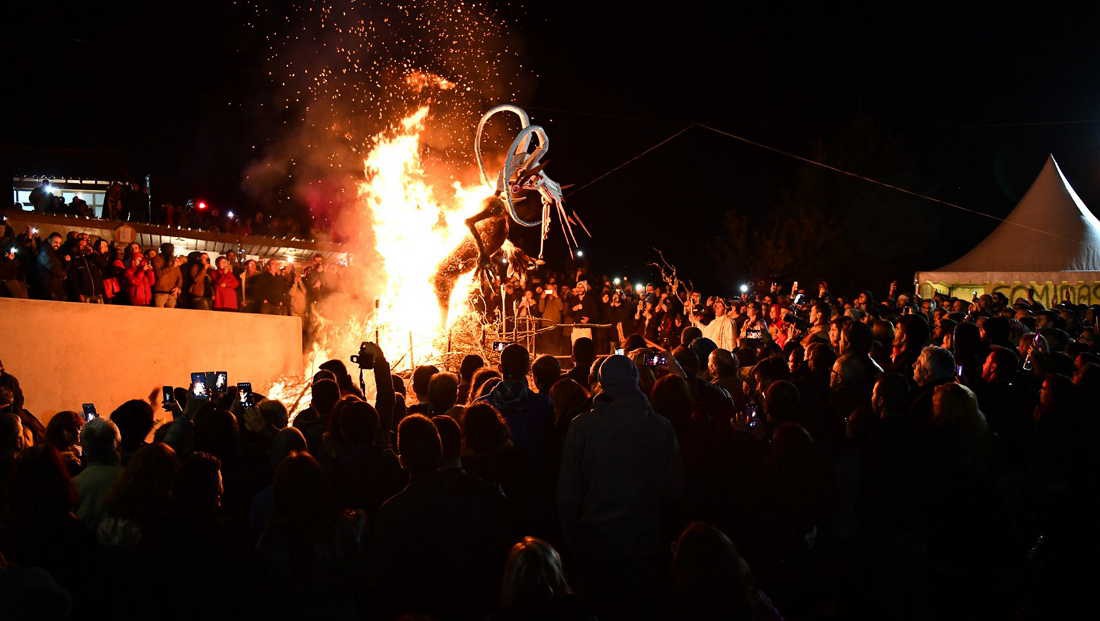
(416, 224)
(414, 232)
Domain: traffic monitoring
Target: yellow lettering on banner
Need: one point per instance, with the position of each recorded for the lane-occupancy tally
(1046, 293)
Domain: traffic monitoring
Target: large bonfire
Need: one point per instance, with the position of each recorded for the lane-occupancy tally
(416, 224)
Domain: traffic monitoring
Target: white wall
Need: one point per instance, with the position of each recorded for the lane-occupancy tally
(65, 353)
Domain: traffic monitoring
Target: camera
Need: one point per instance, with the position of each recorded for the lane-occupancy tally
(364, 358)
(797, 320)
(498, 346)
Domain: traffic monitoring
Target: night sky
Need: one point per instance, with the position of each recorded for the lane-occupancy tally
(963, 106)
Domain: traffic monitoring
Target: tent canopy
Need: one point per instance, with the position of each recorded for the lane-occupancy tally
(1051, 236)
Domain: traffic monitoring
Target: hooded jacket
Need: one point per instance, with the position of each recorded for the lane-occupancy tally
(527, 414)
(620, 466)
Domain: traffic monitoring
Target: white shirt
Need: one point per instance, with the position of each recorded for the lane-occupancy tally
(722, 332)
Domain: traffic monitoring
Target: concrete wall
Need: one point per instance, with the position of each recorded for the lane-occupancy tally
(65, 353)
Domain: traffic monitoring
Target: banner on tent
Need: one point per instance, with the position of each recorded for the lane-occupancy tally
(1047, 293)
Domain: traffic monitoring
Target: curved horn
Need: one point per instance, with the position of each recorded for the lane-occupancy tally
(524, 122)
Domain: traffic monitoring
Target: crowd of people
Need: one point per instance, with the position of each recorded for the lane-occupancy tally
(83, 268)
(780, 455)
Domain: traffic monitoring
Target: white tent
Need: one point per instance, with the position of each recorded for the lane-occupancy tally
(1050, 242)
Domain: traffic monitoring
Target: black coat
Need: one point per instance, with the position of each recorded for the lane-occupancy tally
(51, 273)
(85, 276)
(269, 288)
(439, 546)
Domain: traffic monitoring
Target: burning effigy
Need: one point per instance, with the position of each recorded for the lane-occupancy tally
(381, 104)
(434, 248)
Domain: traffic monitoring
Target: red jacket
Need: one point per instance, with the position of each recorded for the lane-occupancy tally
(225, 290)
(139, 285)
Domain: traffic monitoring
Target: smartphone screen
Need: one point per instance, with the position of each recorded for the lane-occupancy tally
(198, 385)
(619, 351)
(168, 396)
(244, 392)
(498, 346)
(221, 381)
(89, 411)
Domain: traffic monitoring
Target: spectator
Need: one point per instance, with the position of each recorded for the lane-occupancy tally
(470, 364)
(198, 281)
(584, 354)
(248, 277)
(135, 420)
(488, 453)
(450, 438)
(528, 416)
(100, 440)
(9, 381)
(546, 372)
(13, 282)
(168, 281)
(721, 330)
(363, 475)
(51, 269)
(310, 544)
(460, 556)
(63, 433)
(225, 286)
(139, 279)
(535, 586)
(42, 530)
(443, 394)
(11, 445)
(480, 379)
(268, 290)
(285, 441)
(343, 378)
(85, 274)
(297, 295)
(620, 468)
(710, 579)
(138, 510)
(421, 379)
(314, 420)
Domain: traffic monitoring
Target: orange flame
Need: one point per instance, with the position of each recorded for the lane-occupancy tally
(413, 231)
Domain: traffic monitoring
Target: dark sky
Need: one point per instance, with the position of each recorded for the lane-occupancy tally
(960, 105)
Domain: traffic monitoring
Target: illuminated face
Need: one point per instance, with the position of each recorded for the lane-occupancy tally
(55, 243)
(1046, 395)
(988, 368)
